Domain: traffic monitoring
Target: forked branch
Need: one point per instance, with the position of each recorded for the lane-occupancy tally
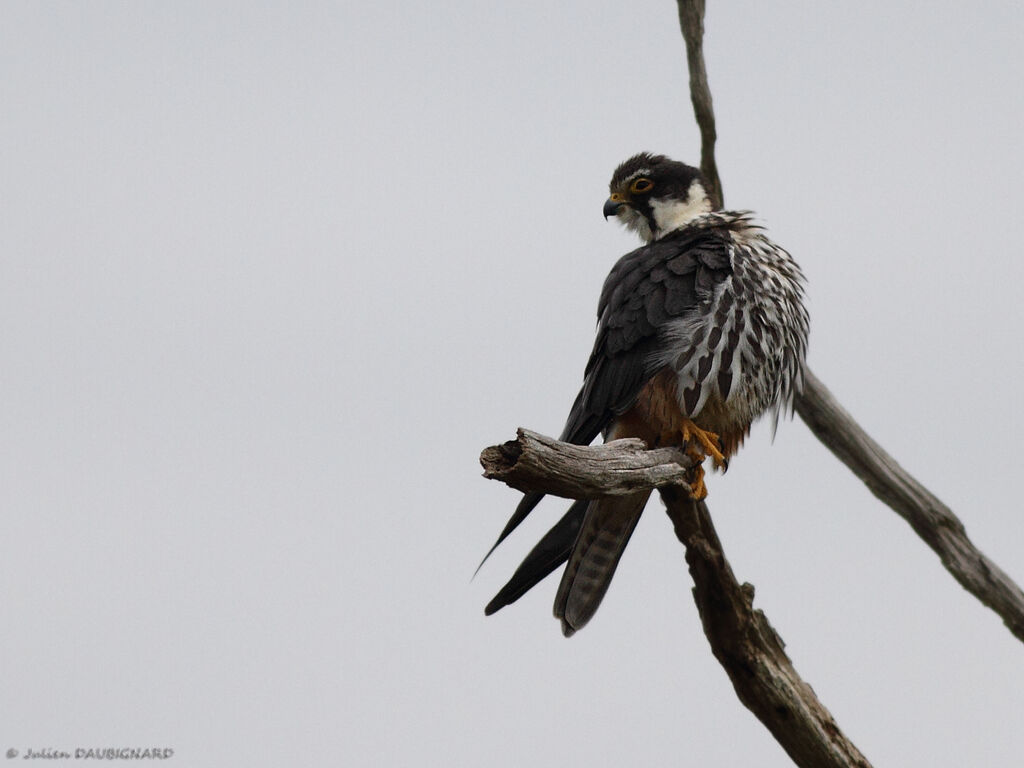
(832, 425)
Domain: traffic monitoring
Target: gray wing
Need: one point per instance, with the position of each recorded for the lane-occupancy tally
(665, 282)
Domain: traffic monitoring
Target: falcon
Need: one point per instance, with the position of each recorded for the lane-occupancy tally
(700, 331)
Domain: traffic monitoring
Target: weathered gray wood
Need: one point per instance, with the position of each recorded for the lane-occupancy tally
(930, 518)
(691, 21)
(749, 649)
(741, 638)
(534, 462)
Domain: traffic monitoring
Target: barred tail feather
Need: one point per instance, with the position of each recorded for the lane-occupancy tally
(606, 530)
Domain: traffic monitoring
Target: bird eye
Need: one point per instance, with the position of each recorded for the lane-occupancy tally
(641, 185)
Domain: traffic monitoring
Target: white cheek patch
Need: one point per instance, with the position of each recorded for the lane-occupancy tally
(670, 215)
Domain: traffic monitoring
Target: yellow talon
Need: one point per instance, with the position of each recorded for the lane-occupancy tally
(698, 491)
(699, 444)
(707, 442)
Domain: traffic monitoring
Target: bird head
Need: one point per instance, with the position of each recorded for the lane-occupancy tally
(653, 195)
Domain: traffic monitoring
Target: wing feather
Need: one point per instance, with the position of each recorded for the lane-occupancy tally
(661, 282)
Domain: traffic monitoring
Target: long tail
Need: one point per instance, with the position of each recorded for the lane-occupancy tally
(607, 526)
(550, 552)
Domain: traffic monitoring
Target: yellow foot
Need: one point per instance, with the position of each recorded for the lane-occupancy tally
(698, 491)
(699, 444)
(704, 442)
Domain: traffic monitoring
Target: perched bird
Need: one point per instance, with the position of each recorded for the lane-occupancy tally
(700, 331)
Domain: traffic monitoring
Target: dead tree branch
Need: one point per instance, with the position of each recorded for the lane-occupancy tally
(691, 20)
(534, 462)
(741, 638)
(930, 518)
(750, 650)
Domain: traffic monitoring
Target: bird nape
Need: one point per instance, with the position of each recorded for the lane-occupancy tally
(700, 331)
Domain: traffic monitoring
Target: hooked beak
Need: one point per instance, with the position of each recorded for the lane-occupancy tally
(613, 204)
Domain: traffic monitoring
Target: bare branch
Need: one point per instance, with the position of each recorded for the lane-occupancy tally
(741, 638)
(751, 652)
(691, 21)
(930, 518)
(534, 462)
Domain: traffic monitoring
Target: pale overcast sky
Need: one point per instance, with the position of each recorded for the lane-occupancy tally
(272, 275)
